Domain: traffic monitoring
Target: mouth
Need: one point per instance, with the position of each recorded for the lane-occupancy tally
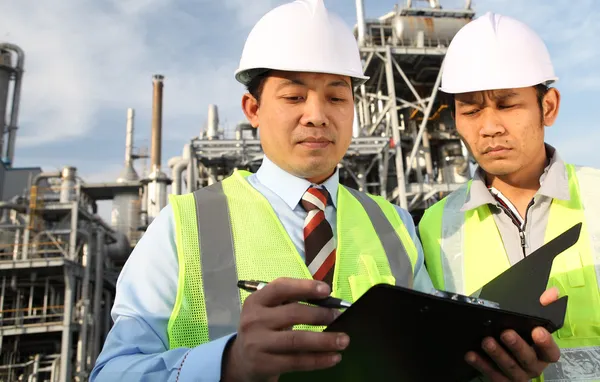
(496, 150)
(315, 142)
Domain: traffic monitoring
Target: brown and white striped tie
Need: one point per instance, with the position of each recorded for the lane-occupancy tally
(319, 243)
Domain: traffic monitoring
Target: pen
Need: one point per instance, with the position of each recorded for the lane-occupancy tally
(328, 302)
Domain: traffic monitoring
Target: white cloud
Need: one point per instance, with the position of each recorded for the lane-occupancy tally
(86, 59)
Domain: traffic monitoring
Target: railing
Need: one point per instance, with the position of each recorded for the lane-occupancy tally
(382, 35)
(29, 316)
(40, 250)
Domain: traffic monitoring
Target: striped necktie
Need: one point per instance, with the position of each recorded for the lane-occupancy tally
(319, 243)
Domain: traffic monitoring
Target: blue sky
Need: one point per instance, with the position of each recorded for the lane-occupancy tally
(88, 61)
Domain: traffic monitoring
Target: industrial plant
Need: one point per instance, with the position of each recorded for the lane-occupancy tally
(59, 261)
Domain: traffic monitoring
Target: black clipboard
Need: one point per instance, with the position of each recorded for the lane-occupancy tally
(399, 334)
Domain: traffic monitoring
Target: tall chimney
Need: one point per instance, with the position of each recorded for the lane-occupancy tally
(360, 21)
(129, 137)
(155, 156)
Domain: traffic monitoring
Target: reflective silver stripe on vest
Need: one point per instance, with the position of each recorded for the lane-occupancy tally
(451, 247)
(589, 186)
(395, 251)
(575, 364)
(217, 261)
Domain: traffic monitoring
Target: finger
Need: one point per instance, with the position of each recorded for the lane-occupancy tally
(549, 296)
(484, 367)
(301, 341)
(285, 316)
(287, 289)
(503, 360)
(280, 364)
(545, 346)
(524, 354)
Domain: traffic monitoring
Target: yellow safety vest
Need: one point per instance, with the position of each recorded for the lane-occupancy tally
(453, 242)
(229, 231)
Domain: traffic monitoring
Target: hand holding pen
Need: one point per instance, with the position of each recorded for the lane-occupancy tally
(327, 302)
(265, 347)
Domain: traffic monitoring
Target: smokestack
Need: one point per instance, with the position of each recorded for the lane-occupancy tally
(212, 130)
(129, 173)
(129, 137)
(360, 21)
(155, 159)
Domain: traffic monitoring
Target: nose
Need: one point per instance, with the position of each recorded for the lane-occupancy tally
(491, 124)
(315, 114)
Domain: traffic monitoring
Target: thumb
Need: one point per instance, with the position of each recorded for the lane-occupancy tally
(549, 296)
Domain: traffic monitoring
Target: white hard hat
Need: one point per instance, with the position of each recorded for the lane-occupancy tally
(301, 36)
(495, 52)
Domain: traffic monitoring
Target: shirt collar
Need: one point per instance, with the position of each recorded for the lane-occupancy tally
(554, 183)
(290, 188)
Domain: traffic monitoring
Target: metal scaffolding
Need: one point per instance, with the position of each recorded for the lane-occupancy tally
(59, 261)
(57, 280)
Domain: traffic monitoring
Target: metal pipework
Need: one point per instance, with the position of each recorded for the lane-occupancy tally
(155, 160)
(98, 287)
(14, 114)
(67, 186)
(45, 175)
(360, 21)
(179, 165)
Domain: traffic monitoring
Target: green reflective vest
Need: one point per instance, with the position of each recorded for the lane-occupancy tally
(452, 242)
(228, 232)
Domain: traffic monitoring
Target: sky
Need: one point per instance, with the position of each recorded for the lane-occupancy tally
(87, 61)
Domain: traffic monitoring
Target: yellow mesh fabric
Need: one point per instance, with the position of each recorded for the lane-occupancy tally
(187, 325)
(264, 251)
(361, 262)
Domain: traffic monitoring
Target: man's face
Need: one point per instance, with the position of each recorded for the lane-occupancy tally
(504, 129)
(305, 121)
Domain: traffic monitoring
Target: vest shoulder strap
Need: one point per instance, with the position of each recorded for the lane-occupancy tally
(387, 227)
(441, 232)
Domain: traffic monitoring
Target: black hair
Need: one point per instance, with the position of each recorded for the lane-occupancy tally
(256, 85)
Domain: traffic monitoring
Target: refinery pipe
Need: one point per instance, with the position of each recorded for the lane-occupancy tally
(14, 114)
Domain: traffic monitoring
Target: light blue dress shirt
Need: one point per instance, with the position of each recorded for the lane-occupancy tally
(137, 347)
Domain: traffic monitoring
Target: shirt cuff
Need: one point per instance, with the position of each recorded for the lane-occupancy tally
(203, 363)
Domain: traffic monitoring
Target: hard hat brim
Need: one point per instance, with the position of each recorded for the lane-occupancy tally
(245, 76)
(461, 90)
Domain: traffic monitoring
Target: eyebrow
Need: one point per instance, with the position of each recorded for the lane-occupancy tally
(295, 81)
(477, 99)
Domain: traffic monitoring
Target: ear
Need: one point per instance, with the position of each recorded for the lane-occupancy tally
(550, 106)
(250, 107)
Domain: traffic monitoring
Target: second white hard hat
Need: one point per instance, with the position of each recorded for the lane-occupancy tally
(301, 36)
(495, 52)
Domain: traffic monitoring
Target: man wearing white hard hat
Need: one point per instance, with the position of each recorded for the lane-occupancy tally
(497, 72)
(179, 314)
